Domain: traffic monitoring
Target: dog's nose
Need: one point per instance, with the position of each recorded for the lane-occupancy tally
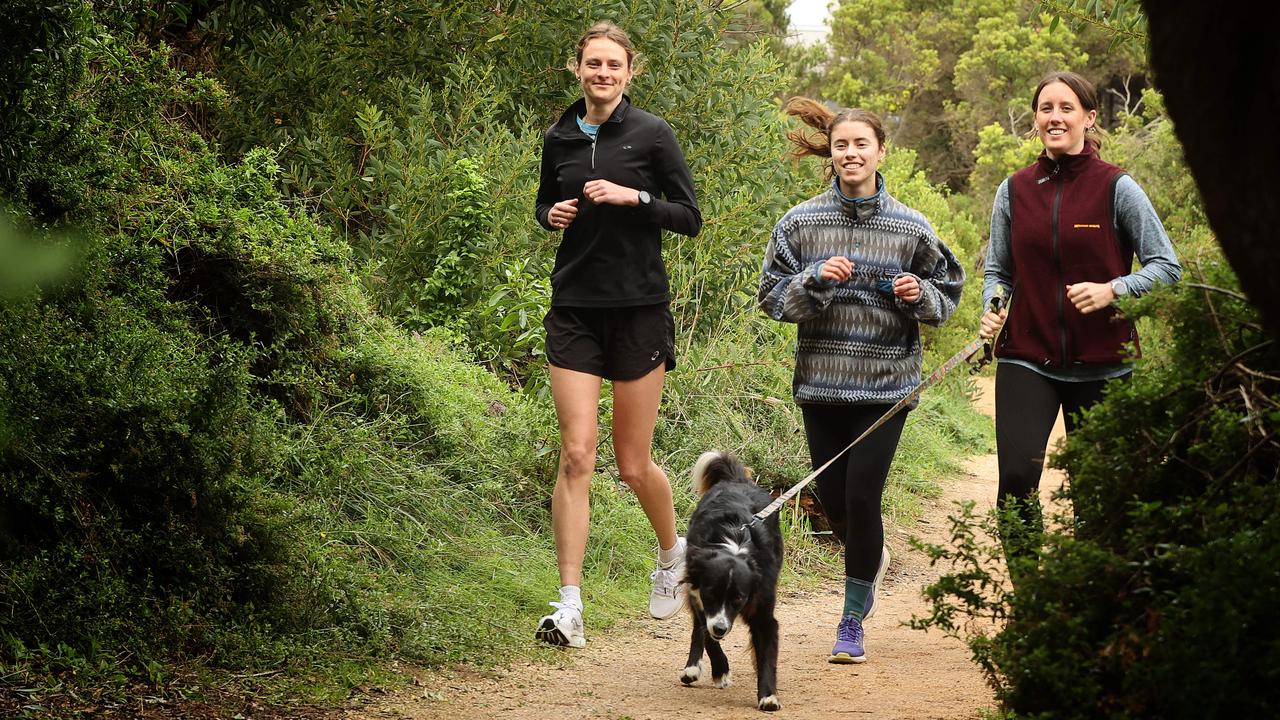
(719, 629)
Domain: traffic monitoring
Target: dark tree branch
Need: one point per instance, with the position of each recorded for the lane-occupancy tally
(1210, 102)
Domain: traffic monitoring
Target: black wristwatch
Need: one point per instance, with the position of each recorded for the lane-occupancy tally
(645, 198)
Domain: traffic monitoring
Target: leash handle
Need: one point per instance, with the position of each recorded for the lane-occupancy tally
(999, 301)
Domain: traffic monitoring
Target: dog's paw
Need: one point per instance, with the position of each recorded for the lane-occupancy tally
(770, 703)
(691, 674)
(722, 681)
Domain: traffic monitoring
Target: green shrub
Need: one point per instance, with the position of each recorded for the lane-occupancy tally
(216, 448)
(1165, 561)
(211, 444)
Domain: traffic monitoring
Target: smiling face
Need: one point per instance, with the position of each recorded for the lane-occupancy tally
(856, 152)
(604, 72)
(1061, 120)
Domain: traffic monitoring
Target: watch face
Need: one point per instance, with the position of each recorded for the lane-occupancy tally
(644, 197)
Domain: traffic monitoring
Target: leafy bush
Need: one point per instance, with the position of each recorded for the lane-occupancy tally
(214, 449)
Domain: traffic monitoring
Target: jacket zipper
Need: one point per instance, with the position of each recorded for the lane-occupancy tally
(1057, 259)
(595, 138)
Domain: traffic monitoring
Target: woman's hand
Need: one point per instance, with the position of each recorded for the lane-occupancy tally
(836, 269)
(906, 288)
(563, 213)
(991, 323)
(603, 192)
(1090, 297)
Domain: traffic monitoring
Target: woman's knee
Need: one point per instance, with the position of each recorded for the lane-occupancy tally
(864, 500)
(577, 460)
(636, 473)
(1020, 482)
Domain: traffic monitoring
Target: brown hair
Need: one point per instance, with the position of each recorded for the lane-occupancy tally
(823, 120)
(608, 31)
(1085, 92)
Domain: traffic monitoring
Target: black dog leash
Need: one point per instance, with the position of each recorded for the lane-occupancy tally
(967, 352)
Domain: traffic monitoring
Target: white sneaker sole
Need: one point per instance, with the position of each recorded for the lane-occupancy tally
(548, 632)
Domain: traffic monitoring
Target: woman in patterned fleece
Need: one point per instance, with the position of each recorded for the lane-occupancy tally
(857, 271)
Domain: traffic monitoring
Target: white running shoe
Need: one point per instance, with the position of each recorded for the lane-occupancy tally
(875, 584)
(669, 593)
(563, 627)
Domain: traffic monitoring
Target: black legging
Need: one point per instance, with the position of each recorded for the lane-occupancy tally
(1027, 405)
(850, 490)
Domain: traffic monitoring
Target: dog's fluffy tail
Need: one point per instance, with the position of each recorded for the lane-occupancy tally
(713, 467)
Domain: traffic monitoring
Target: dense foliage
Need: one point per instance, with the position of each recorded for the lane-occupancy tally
(213, 446)
(287, 401)
(286, 405)
(942, 70)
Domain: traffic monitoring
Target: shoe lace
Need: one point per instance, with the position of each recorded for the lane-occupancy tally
(849, 630)
(563, 610)
(564, 607)
(664, 582)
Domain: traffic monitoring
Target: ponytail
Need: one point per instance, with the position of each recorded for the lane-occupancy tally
(824, 120)
(817, 116)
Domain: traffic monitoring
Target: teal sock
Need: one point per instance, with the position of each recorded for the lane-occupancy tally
(856, 593)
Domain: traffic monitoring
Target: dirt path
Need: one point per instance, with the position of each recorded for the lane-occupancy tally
(632, 673)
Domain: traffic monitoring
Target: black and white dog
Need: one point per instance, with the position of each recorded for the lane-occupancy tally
(732, 571)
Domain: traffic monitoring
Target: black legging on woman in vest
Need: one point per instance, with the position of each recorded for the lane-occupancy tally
(1027, 405)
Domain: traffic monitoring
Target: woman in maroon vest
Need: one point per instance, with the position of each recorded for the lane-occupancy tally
(1064, 232)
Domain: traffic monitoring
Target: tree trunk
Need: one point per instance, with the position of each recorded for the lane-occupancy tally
(1218, 66)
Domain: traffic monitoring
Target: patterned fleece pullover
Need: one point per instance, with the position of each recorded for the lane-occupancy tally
(857, 342)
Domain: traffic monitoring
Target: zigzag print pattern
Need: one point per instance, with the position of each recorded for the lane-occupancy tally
(857, 343)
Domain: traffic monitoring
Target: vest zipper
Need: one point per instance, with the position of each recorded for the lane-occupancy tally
(1057, 259)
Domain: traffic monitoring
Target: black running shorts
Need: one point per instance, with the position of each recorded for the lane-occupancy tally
(623, 343)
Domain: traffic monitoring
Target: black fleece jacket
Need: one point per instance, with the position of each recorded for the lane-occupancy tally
(611, 255)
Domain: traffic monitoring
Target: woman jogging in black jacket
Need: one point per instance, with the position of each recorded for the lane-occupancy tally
(613, 178)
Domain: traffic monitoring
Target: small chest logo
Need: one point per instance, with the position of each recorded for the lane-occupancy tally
(626, 147)
(1088, 226)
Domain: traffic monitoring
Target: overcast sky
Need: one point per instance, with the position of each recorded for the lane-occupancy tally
(808, 14)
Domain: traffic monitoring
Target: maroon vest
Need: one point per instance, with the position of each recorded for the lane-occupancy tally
(1062, 232)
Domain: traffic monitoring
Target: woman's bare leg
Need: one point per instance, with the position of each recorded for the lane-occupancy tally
(577, 399)
(635, 413)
